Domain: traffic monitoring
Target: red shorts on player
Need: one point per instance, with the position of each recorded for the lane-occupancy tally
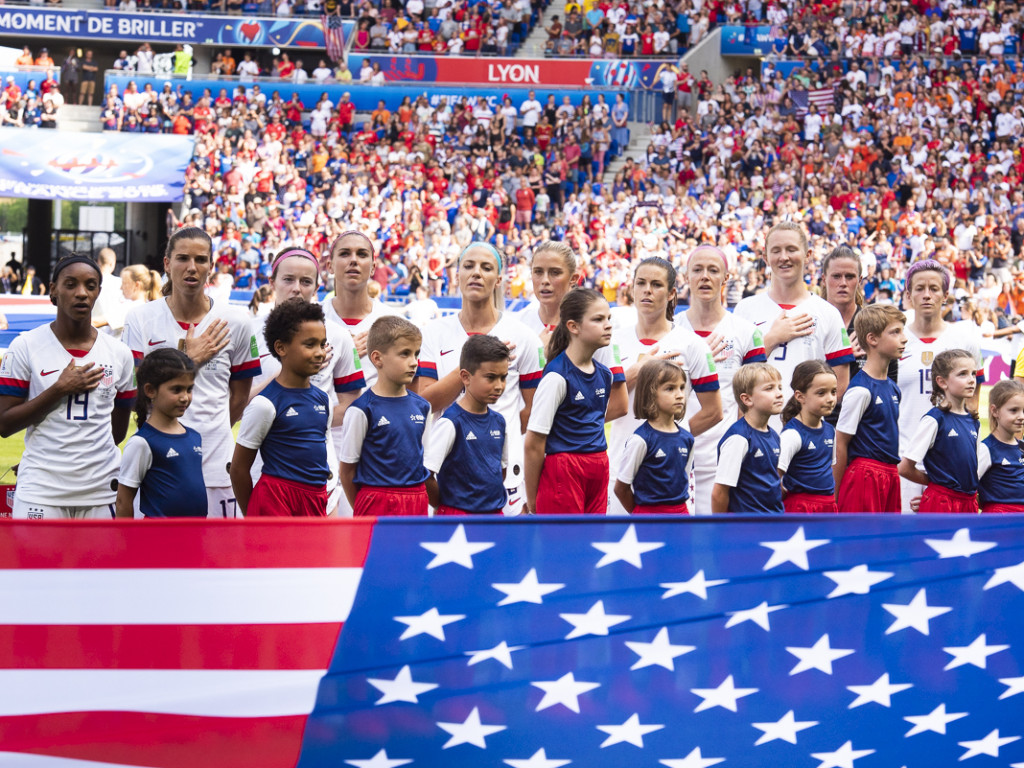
(443, 510)
(1003, 509)
(937, 500)
(374, 501)
(573, 484)
(277, 497)
(661, 509)
(870, 486)
(810, 504)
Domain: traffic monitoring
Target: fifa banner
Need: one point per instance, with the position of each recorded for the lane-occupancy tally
(107, 167)
(195, 28)
(365, 97)
(871, 641)
(740, 40)
(542, 73)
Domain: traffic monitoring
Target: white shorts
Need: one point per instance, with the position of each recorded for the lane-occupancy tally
(221, 504)
(702, 480)
(29, 510)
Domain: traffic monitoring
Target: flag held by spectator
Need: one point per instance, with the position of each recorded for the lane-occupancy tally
(334, 36)
(822, 98)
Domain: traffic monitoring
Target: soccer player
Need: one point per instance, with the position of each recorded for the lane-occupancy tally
(72, 389)
(218, 338)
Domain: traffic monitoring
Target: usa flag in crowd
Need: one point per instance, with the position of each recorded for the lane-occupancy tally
(840, 642)
(822, 98)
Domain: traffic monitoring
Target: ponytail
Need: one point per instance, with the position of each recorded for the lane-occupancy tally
(155, 369)
(803, 377)
(573, 307)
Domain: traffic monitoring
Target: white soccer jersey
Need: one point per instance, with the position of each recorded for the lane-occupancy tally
(442, 346)
(361, 326)
(530, 317)
(625, 351)
(152, 326)
(828, 342)
(70, 457)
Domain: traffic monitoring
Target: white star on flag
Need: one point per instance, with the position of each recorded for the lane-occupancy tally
(472, 731)
(794, 550)
(402, 688)
(659, 652)
(989, 745)
(456, 550)
(380, 760)
(819, 656)
(429, 623)
(566, 691)
(693, 760)
(879, 692)
(935, 721)
(916, 614)
(593, 622)
(697, 585)
(540, 759)
(959, 546)
(1011, 574)
(529, 590)
(786, 728)
(842, 757)
(630, 732)
(976, 653)
(501, 653)
(725, 695)
(856, 581)
(758, 615)
(627, 549)
(1014, 685)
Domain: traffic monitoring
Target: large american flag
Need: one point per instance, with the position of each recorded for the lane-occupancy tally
(822, 98)
(825, 642)
(334, 36)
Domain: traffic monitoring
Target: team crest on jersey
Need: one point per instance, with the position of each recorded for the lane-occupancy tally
(417, 417)
(927, 357)
(7, 365)
(108, 375)
(10, 498)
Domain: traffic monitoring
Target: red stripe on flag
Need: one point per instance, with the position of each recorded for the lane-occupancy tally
(287, 543)
(216, 646)
(161, 741)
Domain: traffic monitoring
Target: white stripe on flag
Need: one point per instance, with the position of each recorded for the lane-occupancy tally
(26, 760)
(204, 693)
(177, 596)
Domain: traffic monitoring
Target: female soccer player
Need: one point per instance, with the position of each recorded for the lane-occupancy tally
(218, 338)
(554, 271)
(72, 389)
(480, 269)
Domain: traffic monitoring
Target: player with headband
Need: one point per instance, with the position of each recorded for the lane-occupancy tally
(72, 389)
(296, 273)
(706, 272)
(218, 338)
(479, 276)
(927, 335)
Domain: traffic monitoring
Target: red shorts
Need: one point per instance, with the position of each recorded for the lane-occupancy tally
(870, 486)
(1003, 509)
(573, 484)
(661, 509)
(810, 504)
(374, 501)
(939, 500)
(277, 497)
(443, 510)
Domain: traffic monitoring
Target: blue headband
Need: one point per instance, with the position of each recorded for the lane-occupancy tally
(487, 246)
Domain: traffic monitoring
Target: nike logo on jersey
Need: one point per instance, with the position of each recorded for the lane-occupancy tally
(761, 323)
(953, 433)
(171, 453)
(291, 412)
(383, 422)
(811, 446)
(446, 352)
(579, 396)
(470, 436)
(660, 454)
(47, 373)
(759, 454)
(905, 357)
(878, 400)
(154, 343)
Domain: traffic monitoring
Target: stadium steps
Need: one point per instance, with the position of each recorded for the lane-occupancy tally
(639, 139)
(533, 45)
(79, 119)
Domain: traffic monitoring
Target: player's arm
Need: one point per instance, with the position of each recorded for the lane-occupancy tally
(842, 379)
(524, 415)
(17, 413)
(125, 505)
(920, 444)
(345, 399)
(719, 499)
(244, 357)
(238, 397)
(709, 413)
(241, 479)
(618, 401)
(119, 420)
